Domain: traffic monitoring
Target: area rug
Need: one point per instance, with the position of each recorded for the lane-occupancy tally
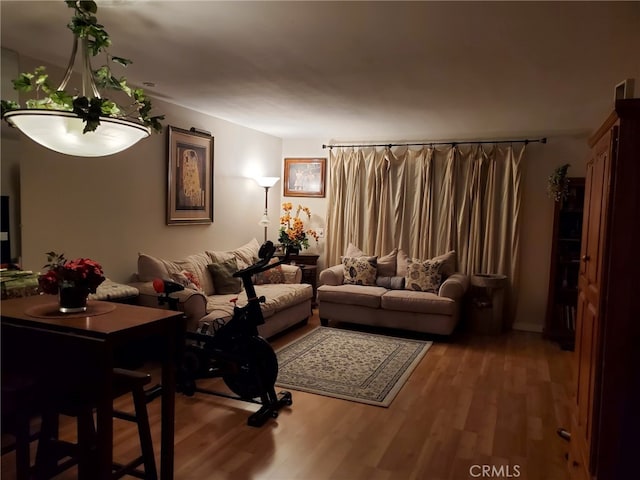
(356, 366)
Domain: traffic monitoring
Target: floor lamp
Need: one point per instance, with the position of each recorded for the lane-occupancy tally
(266, 183)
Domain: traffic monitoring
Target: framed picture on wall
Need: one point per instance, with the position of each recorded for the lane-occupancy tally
(190, 178)
(304, 177)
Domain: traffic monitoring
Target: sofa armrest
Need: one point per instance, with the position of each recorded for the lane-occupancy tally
(454, 286)
(292, 273)
(191, 302)
(332, 275)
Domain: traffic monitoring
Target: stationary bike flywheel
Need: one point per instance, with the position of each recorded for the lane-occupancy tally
(258, 374)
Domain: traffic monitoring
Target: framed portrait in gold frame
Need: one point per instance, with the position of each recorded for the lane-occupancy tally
(304, 177)
(190, 177)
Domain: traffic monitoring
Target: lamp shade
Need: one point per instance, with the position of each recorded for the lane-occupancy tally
(264, 221)
(267, 181)
(61, 131)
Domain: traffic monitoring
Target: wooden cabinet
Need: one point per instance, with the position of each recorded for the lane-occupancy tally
(560, 324)
(605, 422)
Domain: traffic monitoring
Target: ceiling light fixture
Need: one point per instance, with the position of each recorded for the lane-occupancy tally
(85, 125)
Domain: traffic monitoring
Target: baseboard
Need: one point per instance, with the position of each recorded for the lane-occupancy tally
(527, 327)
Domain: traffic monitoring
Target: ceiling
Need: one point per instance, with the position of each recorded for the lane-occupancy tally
(363, 71)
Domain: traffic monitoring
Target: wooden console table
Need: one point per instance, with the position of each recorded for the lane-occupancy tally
(76, 352)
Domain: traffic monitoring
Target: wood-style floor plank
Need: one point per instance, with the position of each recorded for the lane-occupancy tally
(483, 400)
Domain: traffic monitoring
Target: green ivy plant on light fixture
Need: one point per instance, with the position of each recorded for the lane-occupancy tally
(557, 184)
(83, 124)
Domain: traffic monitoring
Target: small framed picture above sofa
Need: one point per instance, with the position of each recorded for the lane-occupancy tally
(190, 177)
(304, 177)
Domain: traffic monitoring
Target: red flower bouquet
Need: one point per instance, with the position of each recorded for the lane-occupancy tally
(82, 273)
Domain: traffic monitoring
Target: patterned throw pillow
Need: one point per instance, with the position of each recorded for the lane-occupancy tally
(360, 270)
(423, 276)
(273, 275)
(187, 279)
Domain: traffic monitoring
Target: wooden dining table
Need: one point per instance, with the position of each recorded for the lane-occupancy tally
(75, 354)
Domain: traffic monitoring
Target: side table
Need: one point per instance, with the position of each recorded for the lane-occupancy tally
(487, 303)
(309, 276)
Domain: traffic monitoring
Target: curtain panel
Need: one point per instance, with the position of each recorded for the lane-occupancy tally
(428, 201)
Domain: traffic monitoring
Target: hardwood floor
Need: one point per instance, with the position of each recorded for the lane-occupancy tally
(492, 401)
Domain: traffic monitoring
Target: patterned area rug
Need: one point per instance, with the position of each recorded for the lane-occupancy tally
(360, 367)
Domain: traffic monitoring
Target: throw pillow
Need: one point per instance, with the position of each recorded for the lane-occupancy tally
(401, 263)
(392, 283)
(353, 251)
(273, 275)
(150, 268)
(423, 276)
(246, 255)
(386, 264)
(360, 270)
(223, 279)
(448, 263)
(187, 280)
(448, 259)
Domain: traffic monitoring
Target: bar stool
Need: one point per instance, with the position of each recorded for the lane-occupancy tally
(51, 450)
(19, 406)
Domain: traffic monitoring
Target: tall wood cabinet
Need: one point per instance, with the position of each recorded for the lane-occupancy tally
(560, 323)
(605, 424)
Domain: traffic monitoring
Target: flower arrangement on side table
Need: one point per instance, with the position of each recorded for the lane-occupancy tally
(293, 235)
(72, 280)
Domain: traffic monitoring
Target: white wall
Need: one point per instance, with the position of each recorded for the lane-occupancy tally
(537, 223)
(537, 214)
(308, 148)
(111, 208)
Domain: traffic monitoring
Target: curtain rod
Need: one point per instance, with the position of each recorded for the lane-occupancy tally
(431, 144)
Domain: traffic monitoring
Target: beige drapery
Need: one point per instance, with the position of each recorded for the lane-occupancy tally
(428, 201)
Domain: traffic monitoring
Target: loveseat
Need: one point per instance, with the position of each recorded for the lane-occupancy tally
(394, 291)
(210, 287)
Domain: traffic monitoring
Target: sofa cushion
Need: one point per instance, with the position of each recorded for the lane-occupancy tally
(353, 251)
(351, 295)
(402, 261)
(197, 264)
(360, 270)
(278, 297)
(418, 302)
(423, 276)
(223, 279)
(448, 263)
(246, 255)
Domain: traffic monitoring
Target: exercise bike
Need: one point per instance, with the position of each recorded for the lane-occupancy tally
(236, 352)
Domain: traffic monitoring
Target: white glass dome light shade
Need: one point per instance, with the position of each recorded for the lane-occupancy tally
(61, 131)
(267, 181)
(264, 221)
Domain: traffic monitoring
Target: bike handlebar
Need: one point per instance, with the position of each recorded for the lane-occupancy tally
(266, 254)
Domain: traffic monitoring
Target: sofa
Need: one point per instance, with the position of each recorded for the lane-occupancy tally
(394, 291)
(210, 288)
